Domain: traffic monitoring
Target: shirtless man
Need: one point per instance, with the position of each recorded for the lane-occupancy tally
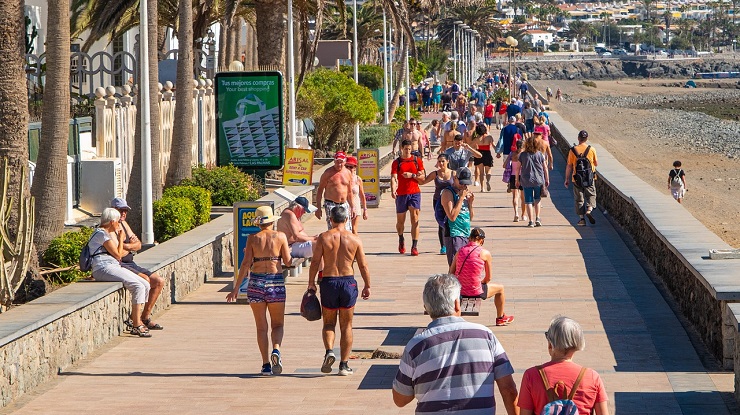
(301, 243)
(338, 248)
(337, 183)
(414, 136)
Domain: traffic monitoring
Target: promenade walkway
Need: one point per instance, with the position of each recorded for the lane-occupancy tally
(206, 360)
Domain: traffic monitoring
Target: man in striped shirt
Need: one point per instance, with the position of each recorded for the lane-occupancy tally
(451, 366)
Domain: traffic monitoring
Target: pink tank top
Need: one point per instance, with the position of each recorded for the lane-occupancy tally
(469, 269)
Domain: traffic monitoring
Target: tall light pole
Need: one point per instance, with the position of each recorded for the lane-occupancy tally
(475, 54)
(512, 44)
(291, 79)
(356, 62)
(455, 49)
(463, 56)
(385, 72)
(147, 213)
(408, 78)
(391, 85)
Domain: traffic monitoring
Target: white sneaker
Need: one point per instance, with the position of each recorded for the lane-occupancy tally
(477, 183)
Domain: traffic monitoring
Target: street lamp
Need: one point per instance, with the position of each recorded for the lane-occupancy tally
(385, 72)
(147, 213)
(512, 44)
(291, 80)
(356, 63)
(463, 54)
(474, 69)
(455, 49)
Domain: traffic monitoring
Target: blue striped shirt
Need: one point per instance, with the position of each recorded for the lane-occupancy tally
(451, 367)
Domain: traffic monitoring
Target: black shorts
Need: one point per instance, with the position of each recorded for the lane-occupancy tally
(338, 292)
(486, 160)
(512, 183)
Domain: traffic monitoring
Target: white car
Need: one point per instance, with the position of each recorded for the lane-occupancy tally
(605, 54)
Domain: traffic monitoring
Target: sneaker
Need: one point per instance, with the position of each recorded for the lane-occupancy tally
(488, 186)
(401, 247)
(531, 224)
(266, 370)
(537, 222)
(277, 362)
(590, 217)
(477, 183)
(524, 218)
(443, 250)
(582, 222)
(504, 320)
(414, 252)
(345, 370)
(329, 360)
(516, 218)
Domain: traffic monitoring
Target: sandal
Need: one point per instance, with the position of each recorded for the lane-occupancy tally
(151, 326)
(141, 331)
(129, 324)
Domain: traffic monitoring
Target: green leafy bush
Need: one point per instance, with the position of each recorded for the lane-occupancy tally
(227, 184)
(369, 76)
(376, 136)
(173, 216)
(64, 251)
(400, 114)
(200, 197)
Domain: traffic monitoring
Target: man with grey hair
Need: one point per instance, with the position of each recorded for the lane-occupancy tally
(451, 366)
(338, 248)
(301, 243)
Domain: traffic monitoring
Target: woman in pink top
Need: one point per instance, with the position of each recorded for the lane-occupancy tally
(469, 264)
(564, 338)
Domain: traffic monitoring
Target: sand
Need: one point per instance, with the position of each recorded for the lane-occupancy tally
(713, 180)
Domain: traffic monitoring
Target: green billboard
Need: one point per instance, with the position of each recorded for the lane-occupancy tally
(249, 119)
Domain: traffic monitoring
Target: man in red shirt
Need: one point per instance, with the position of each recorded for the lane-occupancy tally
(407, 172)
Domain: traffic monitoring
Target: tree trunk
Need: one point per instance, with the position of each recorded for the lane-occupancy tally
(13, 97)
(133, 193)
(181, 157)
(222, 43)
(50, 179)
(271, 30)
(234, 36)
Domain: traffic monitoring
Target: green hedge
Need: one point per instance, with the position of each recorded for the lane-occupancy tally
(227, 184)
(64, 251)
(200, 197)
(376, 136)
(173, 216)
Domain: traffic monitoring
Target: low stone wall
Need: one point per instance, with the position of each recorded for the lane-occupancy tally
(674, 242)
(48, 335)
(732, 314)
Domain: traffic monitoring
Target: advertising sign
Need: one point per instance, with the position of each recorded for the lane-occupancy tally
(244, 214)
(298, 169)
(249, 119)
(368, 170)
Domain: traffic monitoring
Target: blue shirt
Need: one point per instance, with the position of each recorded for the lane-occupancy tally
(506, 138)
(512, 110)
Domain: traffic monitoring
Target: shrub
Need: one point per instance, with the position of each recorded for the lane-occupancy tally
(376, 136)
(64, 251)
(173, 216)
(370, 76)
(592, 84)
(227, 184)
(200, 197)
(400, 114)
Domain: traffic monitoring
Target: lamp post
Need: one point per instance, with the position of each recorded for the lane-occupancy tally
(147, 214)
(291, 79)
(512, 44)
(356, 63)
(463, 54)
(475, 54)
(408, 78)
(385, 72)
(455, 49)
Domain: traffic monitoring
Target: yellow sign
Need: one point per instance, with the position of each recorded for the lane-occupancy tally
(368, 170)
(298, 168)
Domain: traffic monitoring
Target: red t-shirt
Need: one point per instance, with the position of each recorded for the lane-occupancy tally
(488, 111)
(532, 393)
(407, 186)
(503, 108)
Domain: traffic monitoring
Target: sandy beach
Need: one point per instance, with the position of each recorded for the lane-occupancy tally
(712, 176)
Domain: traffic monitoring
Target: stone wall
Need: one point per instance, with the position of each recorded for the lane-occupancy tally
(732, 316)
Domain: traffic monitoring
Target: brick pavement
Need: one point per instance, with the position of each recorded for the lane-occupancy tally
(206, 361)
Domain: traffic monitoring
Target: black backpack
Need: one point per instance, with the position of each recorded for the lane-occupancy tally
(399, 161)
(583, 176)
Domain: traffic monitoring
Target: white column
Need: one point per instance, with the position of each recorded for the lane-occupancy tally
(356, 63)
(391, 85)
(454, 51)
(291, 80)
(385, 72)
(147, 214)
(408, 80)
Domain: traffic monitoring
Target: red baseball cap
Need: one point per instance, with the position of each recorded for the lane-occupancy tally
(339, 155)
(351, 161)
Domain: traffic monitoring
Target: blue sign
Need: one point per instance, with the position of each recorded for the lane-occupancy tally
(244, 214)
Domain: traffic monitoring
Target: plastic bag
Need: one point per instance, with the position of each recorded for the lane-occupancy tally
(310, 306)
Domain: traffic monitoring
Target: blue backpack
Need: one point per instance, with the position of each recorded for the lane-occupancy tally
(86, 256)
(557, 405)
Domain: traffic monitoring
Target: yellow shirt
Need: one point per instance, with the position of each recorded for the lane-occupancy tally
(580, 148)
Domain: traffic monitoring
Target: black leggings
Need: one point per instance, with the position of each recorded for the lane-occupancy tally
(441, 235)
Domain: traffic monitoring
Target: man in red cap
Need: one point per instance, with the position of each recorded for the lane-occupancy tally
(335, 186)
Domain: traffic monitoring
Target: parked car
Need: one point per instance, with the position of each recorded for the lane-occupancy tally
(619, 52)
(605, 54)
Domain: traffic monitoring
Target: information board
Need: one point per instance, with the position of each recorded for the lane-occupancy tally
(249, 119)
(298, 169)
(368, 170)
(244, 214)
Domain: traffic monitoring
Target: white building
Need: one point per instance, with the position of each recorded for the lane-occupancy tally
(540, 38)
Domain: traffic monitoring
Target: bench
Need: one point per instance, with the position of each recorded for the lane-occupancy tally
(385, 183)
(295, 268)
(469, 306)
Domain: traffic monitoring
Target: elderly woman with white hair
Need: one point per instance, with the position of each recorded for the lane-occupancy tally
(106, 247)
(564, 379)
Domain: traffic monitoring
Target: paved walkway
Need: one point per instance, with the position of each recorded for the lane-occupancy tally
(206, 360)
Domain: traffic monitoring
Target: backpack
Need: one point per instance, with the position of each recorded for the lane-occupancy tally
(676, 182)
(557, 405)
(86, 256)
(399, 161)
(584, 173)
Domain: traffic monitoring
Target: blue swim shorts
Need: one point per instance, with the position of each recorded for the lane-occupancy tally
(338, 292)
(266, 288)
(404, 202)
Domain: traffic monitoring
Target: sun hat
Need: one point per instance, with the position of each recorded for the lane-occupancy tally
(263, 215)
(351, 161)
(340, 155)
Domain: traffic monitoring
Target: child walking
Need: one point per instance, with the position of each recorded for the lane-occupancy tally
(677, 181)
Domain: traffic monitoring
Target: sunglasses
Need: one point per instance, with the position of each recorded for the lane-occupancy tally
(351, 167)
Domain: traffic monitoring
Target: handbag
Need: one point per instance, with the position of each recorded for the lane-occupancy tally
(507, 171)
(544, 192)
(310, 306)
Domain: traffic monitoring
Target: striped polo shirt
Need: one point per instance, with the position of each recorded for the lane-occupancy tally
(451, 367)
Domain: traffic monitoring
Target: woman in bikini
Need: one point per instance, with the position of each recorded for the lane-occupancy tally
(485, 162)
(266, 286)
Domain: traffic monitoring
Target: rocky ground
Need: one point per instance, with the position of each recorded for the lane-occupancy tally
(633, 119)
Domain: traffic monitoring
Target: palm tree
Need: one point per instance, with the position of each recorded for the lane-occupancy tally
(479, 17)
(50, 178)
(182, 137)
(668, 18)
(580, 29)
